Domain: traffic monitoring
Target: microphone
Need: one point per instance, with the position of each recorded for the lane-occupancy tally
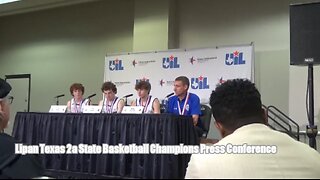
(164, 108)
(126, 96)
(61, 95)
(92, 95)
(129, 95)
(169, 95)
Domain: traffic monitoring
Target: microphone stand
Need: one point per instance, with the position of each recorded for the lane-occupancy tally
(103, 99)
(311, 129)
(57, 97)
(126, 99)
(126, 104)
(57, 101)
(164, 104)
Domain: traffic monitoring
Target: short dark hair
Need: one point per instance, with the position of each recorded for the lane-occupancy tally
(109, 86)
(76, 86)
(184, 80)
(143, 85)
(236, 103)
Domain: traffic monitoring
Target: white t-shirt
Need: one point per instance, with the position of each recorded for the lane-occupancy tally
(148, 107)
(110, 107)
(293, 159)
(78, 108)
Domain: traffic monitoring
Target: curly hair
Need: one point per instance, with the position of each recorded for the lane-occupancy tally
(236, 103)
(109, 86)
(76, 86)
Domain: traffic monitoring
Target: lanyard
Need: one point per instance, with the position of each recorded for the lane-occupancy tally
(146, 105)
(184, 106)
(76, 105)
(110, 108)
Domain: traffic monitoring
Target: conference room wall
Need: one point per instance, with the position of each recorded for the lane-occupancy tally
(206, 23)
(65, 45)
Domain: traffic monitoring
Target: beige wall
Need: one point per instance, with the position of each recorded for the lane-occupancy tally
(63, 45)
(207, 23)
(151, 25)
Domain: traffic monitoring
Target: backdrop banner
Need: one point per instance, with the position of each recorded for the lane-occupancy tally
(205, 68)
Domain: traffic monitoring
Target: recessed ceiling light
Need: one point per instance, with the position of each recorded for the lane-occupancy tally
(7, 1)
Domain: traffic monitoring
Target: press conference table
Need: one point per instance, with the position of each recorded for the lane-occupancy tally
(113, 129)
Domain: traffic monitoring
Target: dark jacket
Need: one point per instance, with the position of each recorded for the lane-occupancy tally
(15, 165)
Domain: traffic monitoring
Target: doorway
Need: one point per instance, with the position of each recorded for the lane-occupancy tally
(21, 87)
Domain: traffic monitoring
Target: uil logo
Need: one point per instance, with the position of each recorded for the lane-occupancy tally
(235, 58)
(116, 65)
(200, 83)
(170, 62)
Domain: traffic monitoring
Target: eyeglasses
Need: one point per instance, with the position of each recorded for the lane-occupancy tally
(9, 99)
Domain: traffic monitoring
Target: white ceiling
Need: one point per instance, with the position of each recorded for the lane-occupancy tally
(24, 6)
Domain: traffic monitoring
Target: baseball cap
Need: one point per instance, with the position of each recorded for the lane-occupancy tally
(5, 88)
